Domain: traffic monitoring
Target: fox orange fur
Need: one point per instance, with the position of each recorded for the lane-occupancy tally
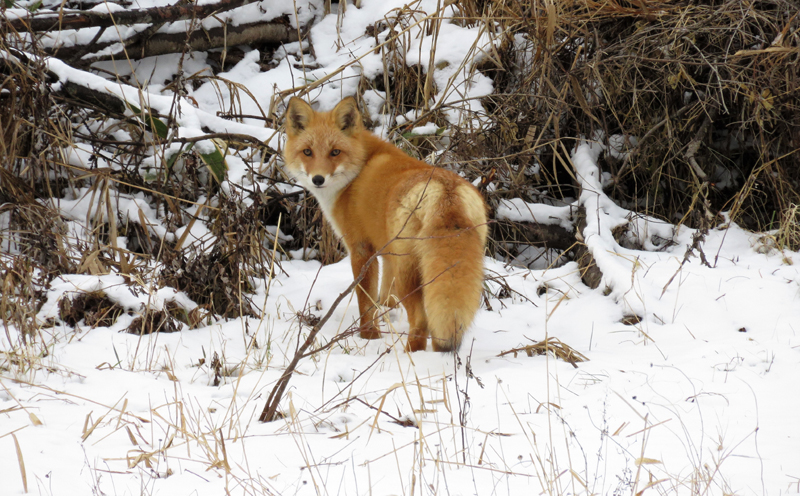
(428, 224)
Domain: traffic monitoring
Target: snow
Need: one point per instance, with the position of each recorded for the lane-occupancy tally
(700, 396)
(710, 374)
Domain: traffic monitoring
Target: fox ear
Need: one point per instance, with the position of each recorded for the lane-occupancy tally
(347, 115)
(298, 115)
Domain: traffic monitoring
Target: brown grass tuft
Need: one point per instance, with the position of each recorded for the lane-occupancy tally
(550, 346)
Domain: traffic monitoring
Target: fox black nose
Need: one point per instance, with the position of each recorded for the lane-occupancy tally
(318, 180)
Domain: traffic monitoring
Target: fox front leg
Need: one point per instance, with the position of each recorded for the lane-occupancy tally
(367, 290)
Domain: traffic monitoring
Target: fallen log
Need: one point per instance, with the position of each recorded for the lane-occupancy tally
(554, 237)
(79, 94)
(274, 31)
(61, 20)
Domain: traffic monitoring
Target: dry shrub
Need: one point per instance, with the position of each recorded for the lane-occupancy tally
(219, 279)
(26, 109)
(313, 235)
(94, 308)
(709, 90)
(407, 87)
(32, 133)
(197, 317)
(37, 234)
(20, 296)
(788, 235)
(38, 125)
(31, 236)
(153, 321)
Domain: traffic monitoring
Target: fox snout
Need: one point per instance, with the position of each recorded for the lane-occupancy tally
(318, 180)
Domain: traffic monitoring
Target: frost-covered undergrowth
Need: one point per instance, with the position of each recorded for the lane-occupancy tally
(690, 388)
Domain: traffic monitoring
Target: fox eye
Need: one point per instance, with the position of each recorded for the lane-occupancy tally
(307, 152)
(335, 152)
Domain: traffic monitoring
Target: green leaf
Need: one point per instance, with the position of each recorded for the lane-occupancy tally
(33, 8)
(151, 122)
(150, 177)
(156, 125)
(216, 160)
(9, 3)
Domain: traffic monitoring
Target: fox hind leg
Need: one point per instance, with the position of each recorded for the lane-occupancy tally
(406, 289)
(417, 322)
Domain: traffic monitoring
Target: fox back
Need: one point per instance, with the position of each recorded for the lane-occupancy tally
(427, 224)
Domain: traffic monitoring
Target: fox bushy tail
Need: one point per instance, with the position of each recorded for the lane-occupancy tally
(450, 252)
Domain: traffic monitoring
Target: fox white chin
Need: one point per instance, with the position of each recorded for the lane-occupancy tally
(327, 193)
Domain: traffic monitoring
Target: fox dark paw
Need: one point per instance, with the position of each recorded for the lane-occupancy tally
(370, 332)
(417, 343)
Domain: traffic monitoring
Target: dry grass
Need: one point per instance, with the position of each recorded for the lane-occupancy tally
(550, 346)
(709, 90)
(789, 232)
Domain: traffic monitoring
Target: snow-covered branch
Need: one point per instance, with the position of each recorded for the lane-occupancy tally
(161, 43)
(46, 20)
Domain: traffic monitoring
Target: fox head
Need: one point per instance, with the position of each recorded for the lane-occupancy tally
(323, 150)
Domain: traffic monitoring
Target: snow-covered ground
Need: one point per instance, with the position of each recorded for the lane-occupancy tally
(703, 388)
(699, 395)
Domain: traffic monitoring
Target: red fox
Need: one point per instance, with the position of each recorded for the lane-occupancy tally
(428, 224)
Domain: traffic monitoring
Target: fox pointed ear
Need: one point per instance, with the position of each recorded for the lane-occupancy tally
(347, 116)
(298, 115)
